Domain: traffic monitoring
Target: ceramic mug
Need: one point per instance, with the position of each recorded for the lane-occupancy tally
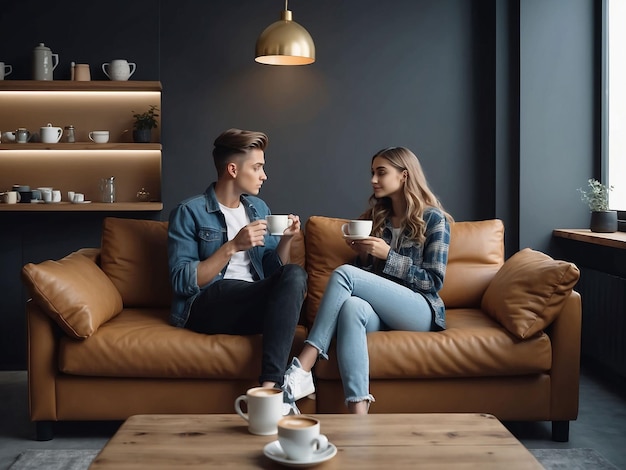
(300, 438)
(357, 228)
(119, 69)
(9, 197)
(8, 136)
(50, 134)
(5, 69)
(82, 73)
(99, 137)
(265, 408)
(277, 224)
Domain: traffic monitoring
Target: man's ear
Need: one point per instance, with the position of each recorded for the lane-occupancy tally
(231, 169)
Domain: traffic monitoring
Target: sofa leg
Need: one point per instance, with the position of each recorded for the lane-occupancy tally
(44, 431)
(560, 431)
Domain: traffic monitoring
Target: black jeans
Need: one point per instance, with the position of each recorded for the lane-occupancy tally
(270, 307)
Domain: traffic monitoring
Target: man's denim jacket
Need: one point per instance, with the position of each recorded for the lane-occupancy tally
(196, 230)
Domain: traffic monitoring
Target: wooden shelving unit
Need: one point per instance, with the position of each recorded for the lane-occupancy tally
(88, 106)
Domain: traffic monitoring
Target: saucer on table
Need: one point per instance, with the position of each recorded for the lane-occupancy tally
(275, 452)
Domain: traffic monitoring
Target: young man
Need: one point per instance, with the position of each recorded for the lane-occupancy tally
(228, 274)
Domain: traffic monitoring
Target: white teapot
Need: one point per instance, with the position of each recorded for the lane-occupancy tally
(119, 69)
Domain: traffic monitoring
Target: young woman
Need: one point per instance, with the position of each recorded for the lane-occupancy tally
(393, 285)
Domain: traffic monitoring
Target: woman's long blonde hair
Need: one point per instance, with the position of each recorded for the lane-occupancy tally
(416, 192)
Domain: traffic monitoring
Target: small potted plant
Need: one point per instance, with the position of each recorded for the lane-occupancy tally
(144, 123)
(597, 198)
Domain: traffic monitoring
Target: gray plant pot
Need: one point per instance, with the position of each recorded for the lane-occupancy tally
(603, 221)
(142, 135)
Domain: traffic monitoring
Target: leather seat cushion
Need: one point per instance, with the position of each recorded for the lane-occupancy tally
(473, 345)
(141, 343)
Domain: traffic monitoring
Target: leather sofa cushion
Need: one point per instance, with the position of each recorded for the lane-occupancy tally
(529, 291)
(134, 256)
(141, 343)
(473, 345)
(74, 292)
(476, 253)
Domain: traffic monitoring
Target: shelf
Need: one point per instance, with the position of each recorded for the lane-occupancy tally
(613, 240)
(69, 85)
(81, 146)
(91, 207)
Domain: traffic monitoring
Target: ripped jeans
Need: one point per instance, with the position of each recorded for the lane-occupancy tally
(355, 303)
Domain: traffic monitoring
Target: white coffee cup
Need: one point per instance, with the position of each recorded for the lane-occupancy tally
(46, 194)
(300, 438)
(277, 224)
(56, 195)
(9, 197)
(99, 137)
(357, 228)
(265, 408)
(70, 196)
(50, 134)
(5, 69)
(78, 197)
(8, 136)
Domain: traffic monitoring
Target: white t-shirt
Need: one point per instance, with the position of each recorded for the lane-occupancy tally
(395, 237)
(239, 265)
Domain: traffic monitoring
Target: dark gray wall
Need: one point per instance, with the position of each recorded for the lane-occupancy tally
(463, 83)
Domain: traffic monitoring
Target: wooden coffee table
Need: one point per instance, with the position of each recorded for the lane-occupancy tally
(381, 441)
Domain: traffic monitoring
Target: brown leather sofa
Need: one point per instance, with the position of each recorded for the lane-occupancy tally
(100, 346)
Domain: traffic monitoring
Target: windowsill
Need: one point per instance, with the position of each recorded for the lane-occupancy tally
(613, 240)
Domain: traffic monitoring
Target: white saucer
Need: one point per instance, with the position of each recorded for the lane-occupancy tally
(355, 237)
(274, 451)
(83, 202)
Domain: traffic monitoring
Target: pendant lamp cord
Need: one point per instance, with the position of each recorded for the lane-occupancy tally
(286, 1)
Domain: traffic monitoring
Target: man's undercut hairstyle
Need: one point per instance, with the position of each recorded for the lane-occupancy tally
(235, 143)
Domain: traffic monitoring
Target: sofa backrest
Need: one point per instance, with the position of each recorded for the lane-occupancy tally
(134, 256)
(475, 256)
(476, 253)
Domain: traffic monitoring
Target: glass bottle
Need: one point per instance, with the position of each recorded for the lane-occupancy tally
(69, 134)
(107, 186)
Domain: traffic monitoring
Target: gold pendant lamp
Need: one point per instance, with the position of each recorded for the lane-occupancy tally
(285, 42)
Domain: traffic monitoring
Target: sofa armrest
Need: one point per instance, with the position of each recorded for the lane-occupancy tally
(43, 346)
(565, 336)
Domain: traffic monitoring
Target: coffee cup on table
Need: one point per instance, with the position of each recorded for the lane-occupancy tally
(99, 137)
(265, 408)
(277, 224)
(357, 228)
(300, 438)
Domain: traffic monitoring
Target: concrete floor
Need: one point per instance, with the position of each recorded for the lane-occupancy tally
(601, 424)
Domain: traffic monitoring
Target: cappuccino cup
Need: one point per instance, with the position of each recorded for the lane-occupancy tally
(357, 228)
(300, 438)
(265, 408)
(277, 224)
(99, 137)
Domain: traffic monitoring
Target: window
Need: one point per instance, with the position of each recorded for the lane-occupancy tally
(614, 167)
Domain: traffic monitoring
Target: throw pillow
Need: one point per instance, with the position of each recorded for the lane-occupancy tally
(74, 292)
(528, 292)
(134, 256)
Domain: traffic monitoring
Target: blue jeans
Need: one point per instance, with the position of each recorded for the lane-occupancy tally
(355, 303)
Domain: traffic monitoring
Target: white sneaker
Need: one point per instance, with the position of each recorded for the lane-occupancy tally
(290, 409)
(297, 383)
